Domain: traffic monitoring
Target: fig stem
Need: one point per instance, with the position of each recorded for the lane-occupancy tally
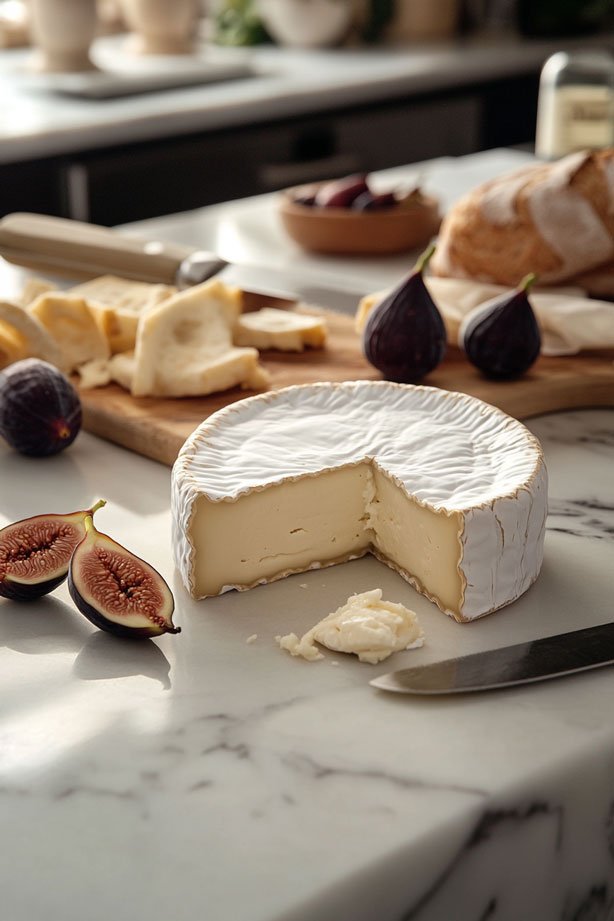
(89, 525)
(424, 259)
(98, 505)
(527, 282)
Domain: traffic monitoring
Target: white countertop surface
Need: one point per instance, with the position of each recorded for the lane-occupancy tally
(200, 777)
(36, 123)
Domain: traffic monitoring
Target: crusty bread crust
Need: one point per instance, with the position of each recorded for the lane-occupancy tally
(554, 219)
(598, 282)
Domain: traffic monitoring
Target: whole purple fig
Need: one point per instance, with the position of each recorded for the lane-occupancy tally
(340, 193)
(405, 336)
(368, 201)
(502, 337)
(40, 410)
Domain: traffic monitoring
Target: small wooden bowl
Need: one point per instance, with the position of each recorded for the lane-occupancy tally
(341, 231)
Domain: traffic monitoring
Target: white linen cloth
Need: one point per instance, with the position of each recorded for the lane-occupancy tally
(569, 321)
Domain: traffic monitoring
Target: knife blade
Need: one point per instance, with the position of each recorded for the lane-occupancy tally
(523, 663)
(74, 249)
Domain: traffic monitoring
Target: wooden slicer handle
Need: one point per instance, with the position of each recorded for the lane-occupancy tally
(68, 248)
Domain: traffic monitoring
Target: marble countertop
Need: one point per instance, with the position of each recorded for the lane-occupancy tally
(287, 83)
(201, 776)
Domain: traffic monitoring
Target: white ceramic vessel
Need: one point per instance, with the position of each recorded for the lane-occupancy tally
(307, 23)
(161, 27)
(62, 32)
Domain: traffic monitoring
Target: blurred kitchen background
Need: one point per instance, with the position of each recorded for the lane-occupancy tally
(117, 110)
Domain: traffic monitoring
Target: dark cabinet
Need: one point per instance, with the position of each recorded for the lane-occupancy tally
(34, 185)
(120, 184)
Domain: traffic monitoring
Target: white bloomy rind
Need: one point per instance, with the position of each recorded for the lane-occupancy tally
(448, 451)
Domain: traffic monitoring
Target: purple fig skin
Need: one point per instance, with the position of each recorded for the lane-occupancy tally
(38, 546)
(23, 592)
(108, 582)
(502, 338)
(40, 410)
(307, 199)
(98, 619)
(370, 202)
(341, 193)
(405, 336)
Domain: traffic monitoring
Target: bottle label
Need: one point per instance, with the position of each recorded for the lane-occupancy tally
(587, 117)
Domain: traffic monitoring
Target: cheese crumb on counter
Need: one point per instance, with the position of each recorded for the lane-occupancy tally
(251, 639)
(365, 625)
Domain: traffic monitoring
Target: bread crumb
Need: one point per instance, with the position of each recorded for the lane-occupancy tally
(252, 638)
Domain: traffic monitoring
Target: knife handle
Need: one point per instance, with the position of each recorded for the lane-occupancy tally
(64, 247)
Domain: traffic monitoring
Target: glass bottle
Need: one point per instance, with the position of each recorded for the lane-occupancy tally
(576, 103)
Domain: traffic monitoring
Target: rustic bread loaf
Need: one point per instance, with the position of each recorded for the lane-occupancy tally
(554, 219)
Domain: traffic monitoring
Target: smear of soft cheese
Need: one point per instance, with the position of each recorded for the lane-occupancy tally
(365, 625)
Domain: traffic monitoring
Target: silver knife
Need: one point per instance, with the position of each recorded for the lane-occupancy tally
(524, 663)
(67, 248)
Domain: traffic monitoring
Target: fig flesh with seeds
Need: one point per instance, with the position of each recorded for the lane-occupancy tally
(116, 590)
(35, 552)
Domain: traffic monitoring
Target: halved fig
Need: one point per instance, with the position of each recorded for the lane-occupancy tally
(116, 590)
(35, 552)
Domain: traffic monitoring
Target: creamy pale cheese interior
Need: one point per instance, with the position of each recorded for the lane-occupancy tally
(325, 519)
(447, 490)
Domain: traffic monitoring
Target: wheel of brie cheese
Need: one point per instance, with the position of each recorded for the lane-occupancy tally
(445, 489)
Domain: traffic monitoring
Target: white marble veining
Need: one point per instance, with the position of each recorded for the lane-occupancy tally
(199, 776)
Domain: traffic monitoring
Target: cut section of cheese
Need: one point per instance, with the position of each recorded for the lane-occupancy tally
(365, 625)
(33, 288)
(184, 346)
(121, 369)
(22, 336)
(12, 346)
(118, 303)
(284, 330)
(95, 373)
(365, 306)
(447, 490)
(71, 324)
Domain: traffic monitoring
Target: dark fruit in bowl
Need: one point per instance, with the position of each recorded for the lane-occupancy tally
(368, 201)
(40, 410)
(116, 590)
(35, 553)
(405, 336)
(502, 337)
(341, 193)
(305, 198)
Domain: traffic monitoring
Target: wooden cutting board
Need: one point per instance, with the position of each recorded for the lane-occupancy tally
(157, 427)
